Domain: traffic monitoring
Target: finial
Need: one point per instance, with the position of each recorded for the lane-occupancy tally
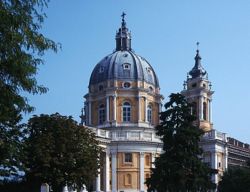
(123, 16)
(197, 44)
(123, 20)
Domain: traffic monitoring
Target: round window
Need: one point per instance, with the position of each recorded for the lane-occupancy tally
(126, 85)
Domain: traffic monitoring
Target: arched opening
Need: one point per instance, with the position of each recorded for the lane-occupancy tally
(149, 114)
(205, 111)
(194, 109)
(126, 112)
(101, 114)
(147, 160)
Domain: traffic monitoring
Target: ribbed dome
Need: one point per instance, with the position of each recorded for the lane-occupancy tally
(124, 65)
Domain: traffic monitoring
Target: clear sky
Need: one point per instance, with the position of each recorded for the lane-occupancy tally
(165, 33)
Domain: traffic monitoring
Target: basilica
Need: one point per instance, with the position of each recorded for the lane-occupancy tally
(122, 107)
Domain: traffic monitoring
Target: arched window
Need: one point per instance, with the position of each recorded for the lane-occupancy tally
(101, 114)
(205, 111)
(149, 114)
(100, 88)
(194, 109)
(126, 112)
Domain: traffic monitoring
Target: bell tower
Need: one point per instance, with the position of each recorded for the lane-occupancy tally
(197, 90)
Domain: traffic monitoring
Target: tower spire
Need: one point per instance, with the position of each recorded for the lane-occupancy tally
(197, 70)
(123, 36)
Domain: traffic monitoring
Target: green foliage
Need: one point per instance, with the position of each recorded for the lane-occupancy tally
(234, 180)
(60, 152)
(179, 167)
(18, 186)
(10, 150)
(21, 49)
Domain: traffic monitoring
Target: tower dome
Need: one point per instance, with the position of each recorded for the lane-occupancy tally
(123, 64)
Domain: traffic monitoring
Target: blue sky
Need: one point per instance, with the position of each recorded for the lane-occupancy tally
(165, 33)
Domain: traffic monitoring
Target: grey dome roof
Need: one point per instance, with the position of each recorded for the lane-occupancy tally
(123, 65)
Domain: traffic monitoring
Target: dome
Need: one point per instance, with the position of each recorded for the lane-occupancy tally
(124, 65)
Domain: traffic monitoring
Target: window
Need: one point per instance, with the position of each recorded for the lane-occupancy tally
(128, 158)
(126, 66)
(126, 112)
(204, 111)
(149, 70)
(194, 85)
(101, 69)
(147, 160)
(149, 113)
(219, 164)
(101, 114)
(100, 87)
(194, 109)
(126, 85)
(151, 89)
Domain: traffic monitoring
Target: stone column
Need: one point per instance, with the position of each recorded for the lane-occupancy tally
(114, 108)
(114, 172)
(107, 108)
(89, 111)
(226, 158)
(210, 111)
(107, 172)
(214, 165)
(139, 108)
(98, 182)
(44, 187)
(160, 107)
(146, 109)
(201, 107)
(65, 189)
(142, 171)
(153, 160)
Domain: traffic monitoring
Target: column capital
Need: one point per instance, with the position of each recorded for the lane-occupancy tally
(141, 154)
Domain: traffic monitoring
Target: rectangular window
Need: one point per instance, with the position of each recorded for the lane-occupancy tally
(128, 157)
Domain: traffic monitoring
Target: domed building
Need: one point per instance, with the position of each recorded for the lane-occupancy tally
(122, 106)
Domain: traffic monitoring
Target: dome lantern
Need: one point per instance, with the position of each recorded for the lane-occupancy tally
(123, 37)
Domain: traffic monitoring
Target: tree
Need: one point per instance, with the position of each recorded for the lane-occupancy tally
(21, 49)
(235, 179)
(179, 167)
(60, 152)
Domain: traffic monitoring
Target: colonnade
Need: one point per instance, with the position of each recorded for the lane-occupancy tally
(114, 108)
(114, 173)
